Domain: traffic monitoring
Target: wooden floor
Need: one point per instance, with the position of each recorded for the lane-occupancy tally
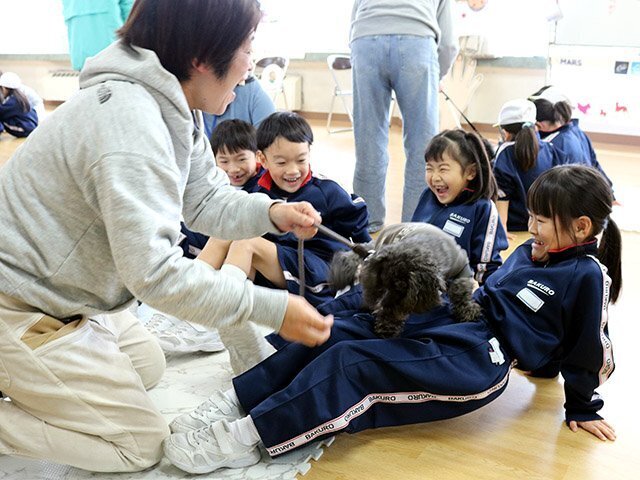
(521, 435)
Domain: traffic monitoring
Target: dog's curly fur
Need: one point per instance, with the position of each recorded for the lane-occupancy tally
(407, 276)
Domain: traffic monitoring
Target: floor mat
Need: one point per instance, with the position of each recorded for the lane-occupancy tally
(189, 380)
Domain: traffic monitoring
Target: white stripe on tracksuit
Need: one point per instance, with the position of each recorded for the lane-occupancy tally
(489, 241)
(371, 399)
(607, 350)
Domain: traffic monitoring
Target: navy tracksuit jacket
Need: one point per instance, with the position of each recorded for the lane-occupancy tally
(16, 121)
(513, 183)
(341, 212)
(476, 227)
(576, 145)
(437, 368)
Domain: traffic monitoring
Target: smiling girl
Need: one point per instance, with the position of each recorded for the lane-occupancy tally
(460, 196)
(548, 301)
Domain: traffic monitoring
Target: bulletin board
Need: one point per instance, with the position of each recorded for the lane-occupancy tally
(595, 59)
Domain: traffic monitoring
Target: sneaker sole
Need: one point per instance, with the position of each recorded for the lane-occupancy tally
(210, 348)
(239, 463)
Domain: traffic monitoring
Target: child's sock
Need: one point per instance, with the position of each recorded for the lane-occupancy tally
(244, 431)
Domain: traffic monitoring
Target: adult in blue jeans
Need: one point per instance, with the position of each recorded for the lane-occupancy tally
(405, 47)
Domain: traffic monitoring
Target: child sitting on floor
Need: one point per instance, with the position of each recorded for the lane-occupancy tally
(234, 145)
(284, 139)
(520, 159)
(459, 198)
(554, 122)
(17, 116)
(549, 300)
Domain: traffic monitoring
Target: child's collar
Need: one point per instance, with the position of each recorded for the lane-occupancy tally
(267, 183)
(571, 251)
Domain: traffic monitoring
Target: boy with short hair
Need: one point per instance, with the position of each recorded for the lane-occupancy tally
(234, 145)
(283, 141)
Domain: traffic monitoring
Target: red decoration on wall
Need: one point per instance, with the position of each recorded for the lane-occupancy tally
(621, 108)
(584, 108)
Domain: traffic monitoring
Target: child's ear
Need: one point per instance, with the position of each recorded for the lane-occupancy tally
(262, 160)
(470, 173)
(583, 228)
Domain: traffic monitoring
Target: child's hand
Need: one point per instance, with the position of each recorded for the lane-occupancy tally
(296, 217)
(599, 428)
(303, 323)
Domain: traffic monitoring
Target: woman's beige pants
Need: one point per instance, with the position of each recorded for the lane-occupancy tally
(78, 390)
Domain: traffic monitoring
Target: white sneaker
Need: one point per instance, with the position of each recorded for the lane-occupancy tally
(208, 449)
(177, 336)
(185, 338)
(216, 407)
(158, 323)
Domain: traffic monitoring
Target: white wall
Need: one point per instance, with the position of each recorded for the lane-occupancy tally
(499, 86)
(33, 27)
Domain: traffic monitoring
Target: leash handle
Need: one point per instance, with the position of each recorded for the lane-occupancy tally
(301, 279)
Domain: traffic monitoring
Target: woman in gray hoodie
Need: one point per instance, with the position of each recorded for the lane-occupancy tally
(90, 210)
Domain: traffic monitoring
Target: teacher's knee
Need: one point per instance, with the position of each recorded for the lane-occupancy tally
(152, 369)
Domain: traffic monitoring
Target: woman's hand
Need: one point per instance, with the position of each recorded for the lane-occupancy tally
(599, 428)
(303, 323)
(296, 217)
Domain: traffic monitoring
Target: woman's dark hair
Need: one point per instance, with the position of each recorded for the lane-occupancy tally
(179, 32)
(468, 149)
(287, 125)
(21, 99)
(559, 112)
(568, 192)
(233, 136)
(526, 144)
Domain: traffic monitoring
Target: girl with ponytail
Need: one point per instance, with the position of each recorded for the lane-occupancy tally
(520, 159)
(547, 303)
(554, 122)
(459, 198)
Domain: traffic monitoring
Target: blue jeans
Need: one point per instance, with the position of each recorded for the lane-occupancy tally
(408, 65)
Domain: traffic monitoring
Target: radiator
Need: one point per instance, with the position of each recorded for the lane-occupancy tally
(59, 85)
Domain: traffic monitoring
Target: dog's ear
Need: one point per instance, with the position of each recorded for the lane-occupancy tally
(343, 269)
(405, 275)
(426, 285)
(372, 278)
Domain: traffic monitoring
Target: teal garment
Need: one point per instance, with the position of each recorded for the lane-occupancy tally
(92, 25)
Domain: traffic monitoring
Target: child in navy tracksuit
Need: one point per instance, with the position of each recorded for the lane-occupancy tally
(554, 122)
(17, 116)
(549, 300)
(284, 139)
(459, 199)
(519, 161)
(234, 145)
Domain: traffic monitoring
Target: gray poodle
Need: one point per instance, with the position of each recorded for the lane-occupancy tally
(409, 266)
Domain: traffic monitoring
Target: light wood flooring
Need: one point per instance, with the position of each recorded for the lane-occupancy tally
(521, 435)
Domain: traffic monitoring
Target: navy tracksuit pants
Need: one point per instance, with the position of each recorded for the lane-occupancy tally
(436, 369)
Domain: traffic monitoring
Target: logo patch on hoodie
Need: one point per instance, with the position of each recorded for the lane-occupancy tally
(104, 94)
(530, 299)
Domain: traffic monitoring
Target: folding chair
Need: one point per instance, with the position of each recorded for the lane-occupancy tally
(271, 72)
(338, 63)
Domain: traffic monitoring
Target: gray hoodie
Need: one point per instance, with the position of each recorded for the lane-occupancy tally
(90, 204)
(422, 18)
